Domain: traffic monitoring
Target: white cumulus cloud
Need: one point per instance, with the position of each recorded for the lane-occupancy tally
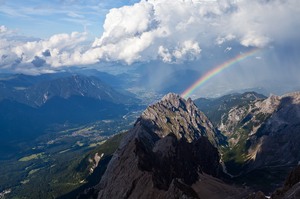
(3, 29)
(58, 50)
(173, 31)
(177, 30)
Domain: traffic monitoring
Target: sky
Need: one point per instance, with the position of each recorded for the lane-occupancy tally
(42, 19)
(46, 36)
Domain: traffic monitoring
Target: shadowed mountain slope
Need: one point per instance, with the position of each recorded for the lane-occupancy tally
(170, 153)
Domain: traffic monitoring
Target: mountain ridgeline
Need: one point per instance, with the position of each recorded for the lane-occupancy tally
(225, 147)
(30, 105)
(261, 127)
(171, 152)
(174, 151)
(262, 136)
(39, 93)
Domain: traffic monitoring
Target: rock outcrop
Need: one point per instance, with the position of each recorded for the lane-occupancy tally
(178, 116)
(262, 136)
(170, 153)
(264, 133)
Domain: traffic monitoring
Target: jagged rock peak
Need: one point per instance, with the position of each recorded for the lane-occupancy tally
(163, 155)
(295, 96)
(174, 114)
(176, 100)
(272, 103)
(171, 96)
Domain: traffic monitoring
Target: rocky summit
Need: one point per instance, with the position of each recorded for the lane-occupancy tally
(180, 117)
(174, 151)
(169, 153)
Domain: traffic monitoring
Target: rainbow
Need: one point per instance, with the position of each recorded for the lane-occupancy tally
(216, 70)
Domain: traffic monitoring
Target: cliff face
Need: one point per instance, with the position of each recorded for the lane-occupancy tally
(280, 133)
(263, 133)
(166, 155)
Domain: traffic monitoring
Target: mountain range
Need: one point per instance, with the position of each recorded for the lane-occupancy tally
(261, 132)
(174, 150)
(32, 105)
(226, 147)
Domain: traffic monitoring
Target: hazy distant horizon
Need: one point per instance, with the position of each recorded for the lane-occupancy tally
(156, 39)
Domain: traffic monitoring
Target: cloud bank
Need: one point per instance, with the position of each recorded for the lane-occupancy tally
(173, 31)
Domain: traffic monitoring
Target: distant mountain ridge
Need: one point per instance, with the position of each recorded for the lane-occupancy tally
(215, 108)
(31, 104)
(37, 94)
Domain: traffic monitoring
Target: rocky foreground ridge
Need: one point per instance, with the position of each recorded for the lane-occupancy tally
(170, 153)
(174, 151)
